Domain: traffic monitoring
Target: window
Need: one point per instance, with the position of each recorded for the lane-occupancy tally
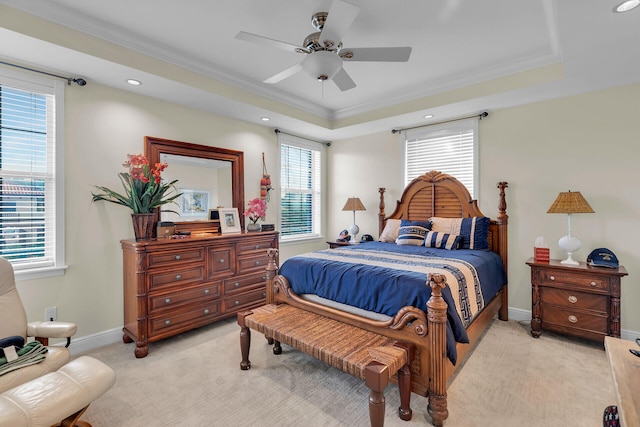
(300, 192)
(450, 148)
(30, 189)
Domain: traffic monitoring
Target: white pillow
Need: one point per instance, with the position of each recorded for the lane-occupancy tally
(391, 231)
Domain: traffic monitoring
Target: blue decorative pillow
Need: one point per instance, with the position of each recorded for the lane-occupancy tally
(473, 232)
(412, 232)
(439, 240)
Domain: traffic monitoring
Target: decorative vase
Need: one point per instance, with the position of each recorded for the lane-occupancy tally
(143, 225)
(252, 226)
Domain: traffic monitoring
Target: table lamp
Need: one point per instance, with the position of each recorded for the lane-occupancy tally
(354, 204)
(570, 202)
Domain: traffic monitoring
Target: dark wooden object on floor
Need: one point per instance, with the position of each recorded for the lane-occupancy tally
(362, 354)
(582, 300)
(174, 285)
(333, 245)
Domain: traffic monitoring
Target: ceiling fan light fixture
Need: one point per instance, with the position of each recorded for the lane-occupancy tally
(627, 6)
(322, 65)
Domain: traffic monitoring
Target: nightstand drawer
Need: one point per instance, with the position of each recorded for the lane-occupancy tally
(574, 299)
(557, 277)
(574, 319)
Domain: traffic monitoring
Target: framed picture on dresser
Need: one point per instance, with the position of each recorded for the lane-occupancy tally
(229, 220)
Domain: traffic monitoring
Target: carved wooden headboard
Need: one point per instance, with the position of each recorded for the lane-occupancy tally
(439, 194)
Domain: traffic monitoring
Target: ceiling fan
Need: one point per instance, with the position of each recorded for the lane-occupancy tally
(324, 51)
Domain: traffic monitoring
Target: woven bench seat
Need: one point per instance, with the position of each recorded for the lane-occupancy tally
(371, 357)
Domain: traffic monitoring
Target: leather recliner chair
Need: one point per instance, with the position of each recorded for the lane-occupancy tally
(13, 322)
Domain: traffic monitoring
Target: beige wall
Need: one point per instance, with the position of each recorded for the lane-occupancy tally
(586, 143)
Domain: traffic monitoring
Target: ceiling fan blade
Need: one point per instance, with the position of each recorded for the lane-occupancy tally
(343, 80)
(339, 19)
(266, 41)
(382, 54)
(284, 74)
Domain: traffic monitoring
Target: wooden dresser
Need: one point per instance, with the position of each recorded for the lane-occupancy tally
(581, 300)
(174, 285)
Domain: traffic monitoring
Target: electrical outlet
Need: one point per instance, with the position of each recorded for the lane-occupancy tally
(50, 313)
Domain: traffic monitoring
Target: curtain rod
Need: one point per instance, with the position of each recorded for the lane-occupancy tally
(480, 116)
(327, 144)
(78, 81)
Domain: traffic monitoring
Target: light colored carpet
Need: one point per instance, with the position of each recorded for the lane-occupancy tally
(194, 379)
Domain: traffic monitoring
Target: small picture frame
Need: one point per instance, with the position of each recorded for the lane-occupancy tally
(229, 220)
(214, 214)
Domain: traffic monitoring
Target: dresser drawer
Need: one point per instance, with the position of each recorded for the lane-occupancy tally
(221, 261)
(176, 298)
(252, 262)
(175, 257)
(245, 300)
(574, 299)
(243, 283)
(183, 277)
(557, 277)
(256, 245)
(574, 319)
(180, 318)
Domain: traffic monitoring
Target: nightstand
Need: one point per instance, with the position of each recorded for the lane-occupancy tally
(582, 300)
(333, 245)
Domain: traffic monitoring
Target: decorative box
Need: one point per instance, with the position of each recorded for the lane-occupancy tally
(541, 254)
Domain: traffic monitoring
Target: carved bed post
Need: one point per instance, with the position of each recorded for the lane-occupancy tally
(272, 271)
(437, 318)
(503, 222)
(381, 214)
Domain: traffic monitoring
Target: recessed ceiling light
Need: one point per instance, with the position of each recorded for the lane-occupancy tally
(134, 82)
(265, 119)
(428, 116)
(627, 6)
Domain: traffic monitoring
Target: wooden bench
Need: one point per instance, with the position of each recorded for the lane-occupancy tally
(371, 357)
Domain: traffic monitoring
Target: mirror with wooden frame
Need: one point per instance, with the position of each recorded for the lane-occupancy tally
(209, 178)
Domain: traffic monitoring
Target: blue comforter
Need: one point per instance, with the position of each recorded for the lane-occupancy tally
(384, 277)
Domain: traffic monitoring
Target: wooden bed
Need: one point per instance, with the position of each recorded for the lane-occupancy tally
(432, 194)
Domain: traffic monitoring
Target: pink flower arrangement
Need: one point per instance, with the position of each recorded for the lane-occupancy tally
(256, 209)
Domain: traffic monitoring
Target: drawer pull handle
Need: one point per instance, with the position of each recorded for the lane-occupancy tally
(177, 257)
(221, 261)
(552, 277)
(167, 322)
(573, 319)
(264, 278)
(237, 302)
(206, 291)
(257, 262)
(573, 299)
(593, 283)
(235, 285)
(167, 300)
(178, 276)
(206, 311)
(264, 295)
(257, 246)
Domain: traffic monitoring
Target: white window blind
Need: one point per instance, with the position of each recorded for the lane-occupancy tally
(300, 188)
(28, 188)
(449, 148)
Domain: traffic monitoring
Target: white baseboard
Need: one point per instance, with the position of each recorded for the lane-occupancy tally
(519, 314)
(91, 342)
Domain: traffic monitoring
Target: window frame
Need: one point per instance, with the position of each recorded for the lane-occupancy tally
(437, 130)
(317, 198)
(46, 85)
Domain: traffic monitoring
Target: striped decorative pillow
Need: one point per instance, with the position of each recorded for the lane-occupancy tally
(412, 232)
(473, 232)
(439, 240)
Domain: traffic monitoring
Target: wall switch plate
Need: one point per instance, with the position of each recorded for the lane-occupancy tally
(50, 313)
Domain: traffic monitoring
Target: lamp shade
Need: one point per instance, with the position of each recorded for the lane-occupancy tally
(353, 204)
(570, 202)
